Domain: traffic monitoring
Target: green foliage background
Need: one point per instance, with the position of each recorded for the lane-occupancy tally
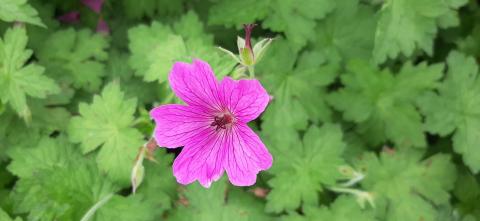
(387, 89)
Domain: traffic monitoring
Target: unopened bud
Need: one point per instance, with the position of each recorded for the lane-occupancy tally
(364, 197)
(138, 169)
(352, 176)
(248, 56)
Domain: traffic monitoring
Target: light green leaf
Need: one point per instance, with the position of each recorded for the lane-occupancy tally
(18, 80)
(57, 182)
(106, 124)
(299, 88)
(19, 10)
(407, 25)
(212, 204)
(383, 104)
(297, 21)
(467, 191)
(347, 33)
(55, 163)
(342, 209)
(138, 9)
(405, 186)
(75, 57)
(159, 185)
(456, 108)
(238, 12)
(157, 47)
(301, 174)
(5, 217)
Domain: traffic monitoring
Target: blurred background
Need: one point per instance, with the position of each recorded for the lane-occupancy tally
(375, 110)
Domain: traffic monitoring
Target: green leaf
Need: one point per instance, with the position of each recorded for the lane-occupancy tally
(299, 88)
(347, 33)
(47, 153)
(48, 118)
(138, 9)
(470, 45)
(301, 174)
(212, 204)
(238, 12)
(156, 47)
(342, 209)
(159, 185)
(5, 217)
(19, 10)
(54, 163)
(407, 25)
(106, 124)
(127, 208)
(118, 69)
(78, 186)
(13, 131)
(297, 21)
(382, 104)
(467, 191)
(456, 108)
(18, 80)
(404, 186)
(75, 57)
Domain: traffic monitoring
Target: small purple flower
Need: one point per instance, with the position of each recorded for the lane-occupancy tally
(102, 27)
(212, 126)
(70, 17)
(95, 5)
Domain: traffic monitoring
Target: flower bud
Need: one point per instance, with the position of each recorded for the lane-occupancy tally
(248, 56)
(138, 170)
(352, 176)
(70, 17)
(364, 197)
(246, 52)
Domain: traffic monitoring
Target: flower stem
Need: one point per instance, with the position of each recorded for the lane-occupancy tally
(251, 71)
(95, 207)
(345, 190)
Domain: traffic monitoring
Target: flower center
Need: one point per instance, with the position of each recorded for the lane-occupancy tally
(222, 121)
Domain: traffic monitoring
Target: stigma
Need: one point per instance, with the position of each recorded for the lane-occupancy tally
(223, 121)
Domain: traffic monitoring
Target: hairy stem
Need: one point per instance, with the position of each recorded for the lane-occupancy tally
(95, 207)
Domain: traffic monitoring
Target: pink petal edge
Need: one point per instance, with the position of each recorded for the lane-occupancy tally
(195, 84)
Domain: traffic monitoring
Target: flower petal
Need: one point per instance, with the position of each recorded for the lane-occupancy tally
(246, 99)
(70, 17)
(202, 159)
(102, 27)
(246, 156)
(95, 5)
(175, 124)
(195, 84)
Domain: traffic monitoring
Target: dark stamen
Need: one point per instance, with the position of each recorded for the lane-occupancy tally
(222, 121)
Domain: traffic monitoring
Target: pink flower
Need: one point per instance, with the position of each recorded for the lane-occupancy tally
(70, 17)
(95, 5)
(102, 27)
(212, 126)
